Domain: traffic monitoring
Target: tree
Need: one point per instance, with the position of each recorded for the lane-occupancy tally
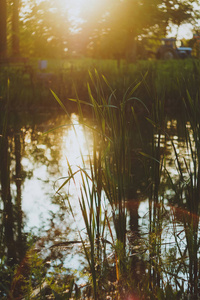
(122, 22)
(178, 12)
(118, 24)
(45, 30)
(15, 29)
(3, 29)
(7, 13)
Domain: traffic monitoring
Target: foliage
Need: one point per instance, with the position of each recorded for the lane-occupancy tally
(29, 88)
(45, 28)
(104, 29)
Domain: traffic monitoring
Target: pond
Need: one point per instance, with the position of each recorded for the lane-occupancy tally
(45, 158)
(41, 210)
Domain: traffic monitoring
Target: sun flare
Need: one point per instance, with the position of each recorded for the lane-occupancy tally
(75, 8)
(75, 143)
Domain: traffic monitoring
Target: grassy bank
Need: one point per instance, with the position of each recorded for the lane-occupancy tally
(167, 80)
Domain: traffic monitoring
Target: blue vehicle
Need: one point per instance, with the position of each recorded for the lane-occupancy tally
(169, 50)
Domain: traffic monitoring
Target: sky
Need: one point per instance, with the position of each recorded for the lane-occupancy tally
(184, 32)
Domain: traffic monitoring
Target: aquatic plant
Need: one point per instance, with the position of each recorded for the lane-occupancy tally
(184, 198)
(121, 260)
(30, 87)
(109, 177)
(187, 191)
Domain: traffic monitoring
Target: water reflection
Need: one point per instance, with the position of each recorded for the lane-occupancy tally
(76, 143)
(34, 166)
(45, 160)
(32, 162)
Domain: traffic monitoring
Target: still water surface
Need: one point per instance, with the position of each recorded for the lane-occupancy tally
(45, 158)
(39, 155)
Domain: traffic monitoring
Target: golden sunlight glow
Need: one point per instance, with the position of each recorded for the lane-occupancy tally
(76, 7)
(76, 148)
(75, 143)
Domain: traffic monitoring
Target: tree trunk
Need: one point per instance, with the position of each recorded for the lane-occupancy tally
(3, 29)
(15, 29)
(8, 219)
(18, 173)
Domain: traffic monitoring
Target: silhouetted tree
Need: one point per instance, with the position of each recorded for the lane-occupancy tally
(3, 29)
(114, 30)
(15, 29)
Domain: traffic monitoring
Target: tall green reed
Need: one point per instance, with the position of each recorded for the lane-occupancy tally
(29, 91)
(154, 169)
(188, 191)
(186, 195)
(109, 174)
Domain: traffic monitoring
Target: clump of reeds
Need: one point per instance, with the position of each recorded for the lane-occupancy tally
(28, 91)
(108, 176)
(187, 191)
(184, 196)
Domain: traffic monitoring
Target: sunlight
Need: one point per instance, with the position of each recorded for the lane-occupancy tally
(75, 143)
(72, 141)
(76, 7)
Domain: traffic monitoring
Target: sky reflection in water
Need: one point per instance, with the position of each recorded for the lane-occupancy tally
(49, 167)
(44, 163)
(46, 158)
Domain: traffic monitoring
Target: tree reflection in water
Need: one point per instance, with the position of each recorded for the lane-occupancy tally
(30, 164)
(39, 236)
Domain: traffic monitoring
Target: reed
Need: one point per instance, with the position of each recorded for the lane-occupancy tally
(184, 195)
(109, 174)
(30, 87)
(154, 167)
(106, 178)
(188, 197)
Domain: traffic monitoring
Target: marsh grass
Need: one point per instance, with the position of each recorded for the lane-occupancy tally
(30, 92)
(110, 173)
(106, 177)
(187, 193)
(185, 187)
